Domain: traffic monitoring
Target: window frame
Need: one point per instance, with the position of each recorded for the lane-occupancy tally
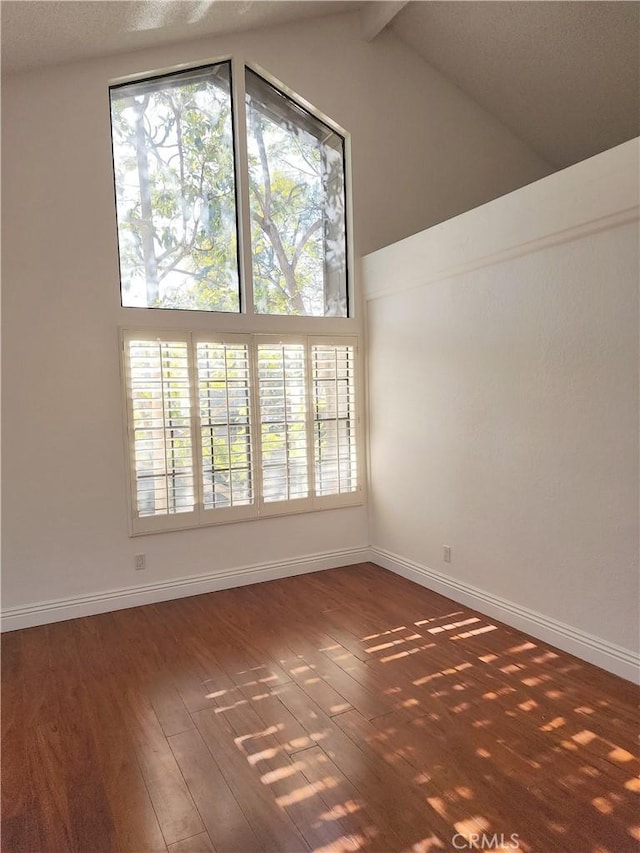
(299, 103)
(148, 324)
(199, 516)
(238, 64)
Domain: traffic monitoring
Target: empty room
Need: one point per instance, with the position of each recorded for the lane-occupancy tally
(320, 426)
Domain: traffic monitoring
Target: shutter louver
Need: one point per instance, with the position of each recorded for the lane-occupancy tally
(283, 415)
(225, 424)
(225, 428)
(334, 419)
(159, 391)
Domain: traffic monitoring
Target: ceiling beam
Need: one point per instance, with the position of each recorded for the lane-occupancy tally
(378, 14)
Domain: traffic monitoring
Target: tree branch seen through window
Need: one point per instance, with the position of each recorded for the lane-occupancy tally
(175, 178)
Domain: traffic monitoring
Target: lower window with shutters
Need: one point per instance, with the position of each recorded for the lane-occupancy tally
(225, 428)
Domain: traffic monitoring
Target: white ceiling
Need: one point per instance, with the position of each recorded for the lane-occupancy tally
(45, 32)
(563, 76)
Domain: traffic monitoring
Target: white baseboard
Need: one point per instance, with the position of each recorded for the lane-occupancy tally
(588, 647)
(59, 610)
(609, 656)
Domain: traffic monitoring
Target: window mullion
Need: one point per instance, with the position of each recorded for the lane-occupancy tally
(242, 181)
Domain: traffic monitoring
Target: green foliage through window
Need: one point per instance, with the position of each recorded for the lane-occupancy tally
(176, 197)
(175, 191)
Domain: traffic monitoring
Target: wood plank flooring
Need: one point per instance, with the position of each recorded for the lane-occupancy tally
(347, 710)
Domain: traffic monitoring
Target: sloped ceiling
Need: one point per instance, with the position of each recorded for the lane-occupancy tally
(563, 76)
(46, 32)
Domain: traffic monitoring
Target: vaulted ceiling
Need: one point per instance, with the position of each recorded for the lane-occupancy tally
(563, 76)
(43, 32)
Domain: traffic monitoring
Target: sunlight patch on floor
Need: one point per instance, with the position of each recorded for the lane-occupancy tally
(620, 755)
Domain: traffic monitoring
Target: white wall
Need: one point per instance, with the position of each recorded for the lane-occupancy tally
(421, 151)
(503, 365)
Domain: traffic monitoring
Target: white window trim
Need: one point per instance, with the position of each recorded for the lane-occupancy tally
(201, 517)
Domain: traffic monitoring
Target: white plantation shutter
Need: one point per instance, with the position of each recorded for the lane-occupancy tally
(235, 427)
(335, 443)
(282, 386)
(224, 397)
(160, 429)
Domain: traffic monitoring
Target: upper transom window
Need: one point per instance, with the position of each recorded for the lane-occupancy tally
(183, 223)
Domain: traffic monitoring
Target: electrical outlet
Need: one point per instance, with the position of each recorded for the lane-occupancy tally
(447, 553)
(140, 562)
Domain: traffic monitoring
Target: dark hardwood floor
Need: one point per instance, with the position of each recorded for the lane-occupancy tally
(347, 710)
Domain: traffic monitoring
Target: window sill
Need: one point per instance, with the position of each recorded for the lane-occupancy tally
(203, 518)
